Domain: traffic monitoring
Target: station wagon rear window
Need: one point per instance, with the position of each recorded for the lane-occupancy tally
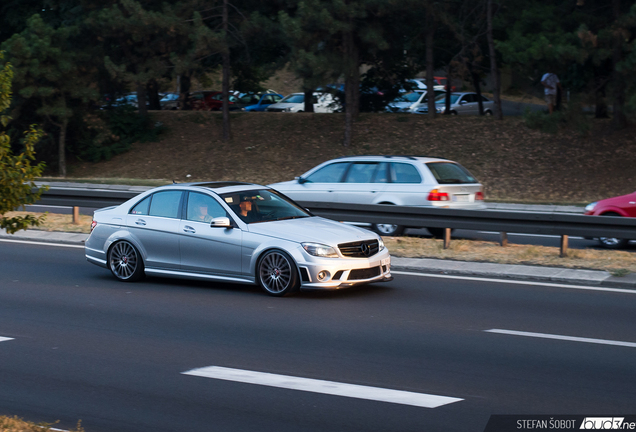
(450, 173)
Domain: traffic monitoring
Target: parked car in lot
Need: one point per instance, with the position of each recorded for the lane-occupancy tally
(461, 103)
(212, 101)
(233, 232)
(410, 102)
(295, 102)
(620, 206)
(394, 180)
(169, 101)
(254, 102)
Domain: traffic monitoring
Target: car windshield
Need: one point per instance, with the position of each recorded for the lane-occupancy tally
(263, 205)
(450, 173)
(442, 98)
(408, 97)
(294, 98)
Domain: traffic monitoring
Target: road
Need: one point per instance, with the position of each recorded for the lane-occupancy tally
(76, 344)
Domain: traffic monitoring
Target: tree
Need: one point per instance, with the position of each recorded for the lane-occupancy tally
(16, 171)
(49, 70)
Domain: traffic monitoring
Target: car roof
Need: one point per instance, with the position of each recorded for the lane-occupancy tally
(219, 187)
(396, 158)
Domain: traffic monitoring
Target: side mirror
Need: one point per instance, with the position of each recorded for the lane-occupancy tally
(301, 180)
(221, 222)
(463, 102)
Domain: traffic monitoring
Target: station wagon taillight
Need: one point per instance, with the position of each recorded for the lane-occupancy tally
(93, 225)
(436, 195)
(479, 196)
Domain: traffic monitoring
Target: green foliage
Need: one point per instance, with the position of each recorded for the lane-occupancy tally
(112, 132)
(16, 171)
(570, 118)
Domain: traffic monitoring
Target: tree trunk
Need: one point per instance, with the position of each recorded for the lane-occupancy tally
(141, 99)
(477, 85)
(309, 100)
(184, 92)
(494, 70)
(226, 77)
(62, 148)
(430, 65)
(447, 97)
(619, 119)
(352, 85)
(152, 88)
(600, 111)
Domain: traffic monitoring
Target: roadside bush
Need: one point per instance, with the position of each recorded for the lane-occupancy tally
(112, 132)
(571, 117)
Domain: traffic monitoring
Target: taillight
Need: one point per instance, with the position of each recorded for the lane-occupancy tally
(479, 196)
(436, 195)
(93, 225)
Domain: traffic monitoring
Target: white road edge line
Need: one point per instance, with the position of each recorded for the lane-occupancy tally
(2, 339)
(42, 243)
(565, 338)
(518, 282)
(324, 387)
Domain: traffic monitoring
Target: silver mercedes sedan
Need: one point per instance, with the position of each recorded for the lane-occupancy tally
(233, 232)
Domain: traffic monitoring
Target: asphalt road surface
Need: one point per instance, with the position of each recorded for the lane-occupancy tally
(420, 353)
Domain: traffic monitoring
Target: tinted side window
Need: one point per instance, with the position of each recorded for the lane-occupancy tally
(405, 173)
(142, 207)
(450, 173)
(203, 208)
(331, 173)
(165, 204)
(361, 172)
(382, 173)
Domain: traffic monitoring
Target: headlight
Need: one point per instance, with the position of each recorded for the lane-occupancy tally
(320, 250)
(590, 207)
(380, 244)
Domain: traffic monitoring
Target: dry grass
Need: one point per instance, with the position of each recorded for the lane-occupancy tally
(15, 424)
(616, 262)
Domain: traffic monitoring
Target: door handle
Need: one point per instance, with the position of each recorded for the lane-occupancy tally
(189, 229)
(140, 222)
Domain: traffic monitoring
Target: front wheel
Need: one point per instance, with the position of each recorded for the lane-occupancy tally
(125, 262)
(611, 242)
(388, 229)
(277, 274)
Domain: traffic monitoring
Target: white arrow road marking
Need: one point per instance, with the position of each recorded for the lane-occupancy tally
(2, 339)
(565, 338)
(324, 387)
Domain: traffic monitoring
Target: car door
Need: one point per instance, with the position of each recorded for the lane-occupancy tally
(323, 185)
(154, 223)
(205, 249)
(405, 185)
(468, 105)
(363, 182)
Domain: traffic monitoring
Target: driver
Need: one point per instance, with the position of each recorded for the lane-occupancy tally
(247, 211)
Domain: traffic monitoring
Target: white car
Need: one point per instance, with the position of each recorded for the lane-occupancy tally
(396, 180)
(295, 102)
(410, 102)
(461, 103)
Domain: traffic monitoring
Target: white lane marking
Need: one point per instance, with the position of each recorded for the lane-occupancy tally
(324, 387)
(2, 339)
(518, 282)
(565, 338)
(532, 235)
(42, 243)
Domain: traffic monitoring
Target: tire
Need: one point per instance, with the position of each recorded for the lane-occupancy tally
(611, 242)
(453, 112)
(488, 113)
(388, 229)
(125, 262)
(277, 273)
(437, 232)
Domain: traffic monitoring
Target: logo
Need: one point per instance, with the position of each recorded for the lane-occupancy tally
(602, 423)
(364, 248)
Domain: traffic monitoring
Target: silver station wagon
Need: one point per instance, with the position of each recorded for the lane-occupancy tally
(394, 180)
(233, 232)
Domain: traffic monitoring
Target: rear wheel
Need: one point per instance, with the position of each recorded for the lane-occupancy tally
(277, 274)
(125, 262)
(388, 229)
(611, 242)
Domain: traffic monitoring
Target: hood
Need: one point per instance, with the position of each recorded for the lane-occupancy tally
(312, 229)
(285, 105)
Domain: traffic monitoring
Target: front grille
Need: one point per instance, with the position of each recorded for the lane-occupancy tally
(361, 249)
(364, 273)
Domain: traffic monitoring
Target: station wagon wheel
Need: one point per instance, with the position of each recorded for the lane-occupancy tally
(125, 262)
(277, 274)
(388, 229)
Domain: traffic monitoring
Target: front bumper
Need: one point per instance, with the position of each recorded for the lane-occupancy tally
(345, 272)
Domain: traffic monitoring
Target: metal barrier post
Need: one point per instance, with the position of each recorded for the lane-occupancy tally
(503, 239)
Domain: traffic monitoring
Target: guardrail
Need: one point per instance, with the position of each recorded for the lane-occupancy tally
(504, 222)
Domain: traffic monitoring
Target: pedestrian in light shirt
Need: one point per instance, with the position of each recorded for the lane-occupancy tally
(551, 86)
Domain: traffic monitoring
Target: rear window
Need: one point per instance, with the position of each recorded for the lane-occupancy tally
(450, 173)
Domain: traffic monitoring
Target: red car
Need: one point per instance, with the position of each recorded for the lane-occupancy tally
(624, 205)
(211, 101)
